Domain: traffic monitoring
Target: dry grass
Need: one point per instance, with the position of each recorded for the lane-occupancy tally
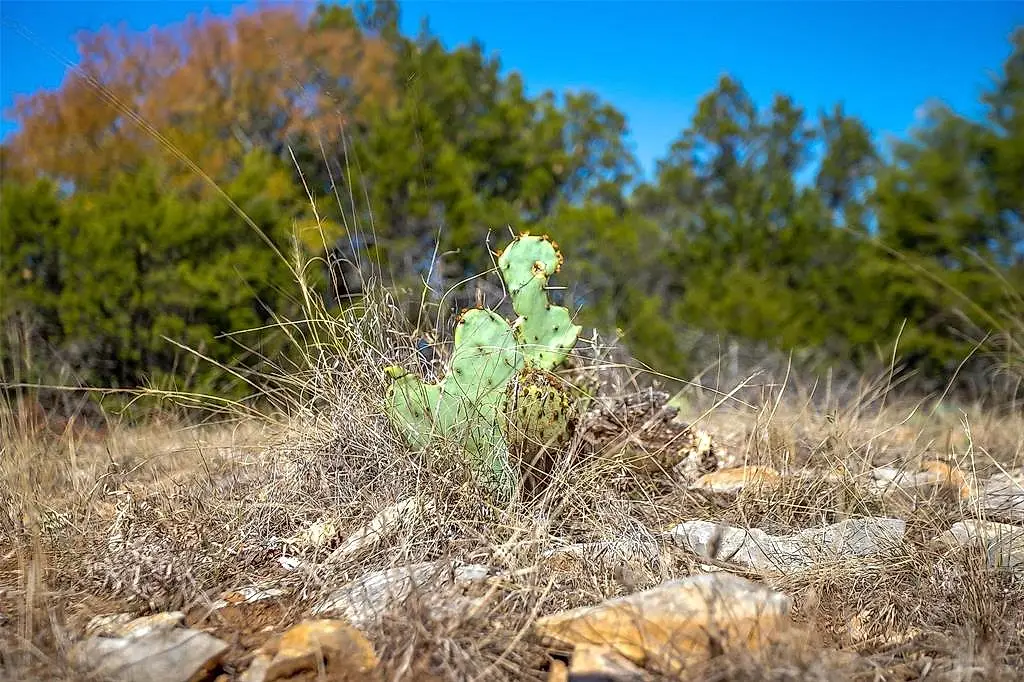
(171, 516)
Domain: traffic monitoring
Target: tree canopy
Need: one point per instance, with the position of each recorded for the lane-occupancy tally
(762, 222)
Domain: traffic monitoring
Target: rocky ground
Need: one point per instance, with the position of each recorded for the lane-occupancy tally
(876, 543)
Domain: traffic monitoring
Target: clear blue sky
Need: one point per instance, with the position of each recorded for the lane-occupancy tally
(653, 60)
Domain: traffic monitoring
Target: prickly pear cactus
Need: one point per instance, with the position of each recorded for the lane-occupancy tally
(498, 395)
(545, 332)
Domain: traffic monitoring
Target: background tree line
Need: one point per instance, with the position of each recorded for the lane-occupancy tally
(775, 225)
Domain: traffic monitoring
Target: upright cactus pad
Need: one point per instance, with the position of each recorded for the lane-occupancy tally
(413, 404)
(545, 332)
(464, 405)
(484, 360)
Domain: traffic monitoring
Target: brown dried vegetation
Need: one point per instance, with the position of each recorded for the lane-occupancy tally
(171, 517)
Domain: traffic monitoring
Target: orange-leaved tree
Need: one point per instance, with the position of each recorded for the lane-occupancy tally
(211, 88)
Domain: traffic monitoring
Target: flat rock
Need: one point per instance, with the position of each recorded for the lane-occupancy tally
(1002, 496)
(602, 664)
(607, 554)
(247, 595)
(676, 623)
(365, 599)
(950, 476)
(385, 524)
(558, 672)
(148, 648)
(1003, 542)
(736, 479)
(333, 646)
(806, 549)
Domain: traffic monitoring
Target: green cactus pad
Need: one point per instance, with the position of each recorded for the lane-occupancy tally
(484, 360)
(413, 404)
(545, 332)
(485, 357)
(464, 405)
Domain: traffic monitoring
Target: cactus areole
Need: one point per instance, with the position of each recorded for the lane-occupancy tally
(497, 395)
